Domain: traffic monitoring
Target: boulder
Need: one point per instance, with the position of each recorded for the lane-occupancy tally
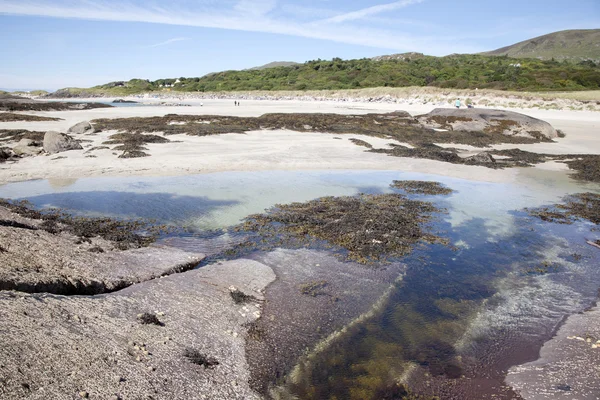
(481, 158)
(5, 154)
(56, 142)
(81, 128)
(27, 147)
(490, 121)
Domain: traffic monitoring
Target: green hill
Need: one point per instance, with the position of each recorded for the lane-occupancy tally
(455, 71)
(275, 64)
(574, 45)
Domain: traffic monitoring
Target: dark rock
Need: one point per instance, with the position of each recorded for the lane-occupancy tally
(480, 158)
(56, 142)
(81, 128)
(5, 154)
(121, 101)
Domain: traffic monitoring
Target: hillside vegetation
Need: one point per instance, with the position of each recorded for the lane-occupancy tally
(575, 45)
(457, 71)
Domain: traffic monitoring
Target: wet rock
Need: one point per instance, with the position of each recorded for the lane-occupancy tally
(490, 121)
(42, 261)
(27, 147)
(56, 142)
(81, 128)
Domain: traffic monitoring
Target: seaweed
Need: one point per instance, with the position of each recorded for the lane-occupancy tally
(240, 297)
(314, 289)
(149, 319)
(18, 134)
(422, 187)
(587, 168)
(195, 357)
(362, 143)
(580, 206)
(12, 117)
(391, 126)
(123, 233)
(369, 227)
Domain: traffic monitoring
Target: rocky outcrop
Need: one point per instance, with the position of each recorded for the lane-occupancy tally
(191, 346)
(56, 142)
(490, 121)
(481, 158)
(5, 154)
(36, 260)
(27, 147)
(82, 128)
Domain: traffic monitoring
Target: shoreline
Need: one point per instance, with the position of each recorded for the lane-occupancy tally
(272, 149)
(267, 151)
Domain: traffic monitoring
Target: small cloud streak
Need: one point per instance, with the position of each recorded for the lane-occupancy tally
(166, 42)
(369, 11)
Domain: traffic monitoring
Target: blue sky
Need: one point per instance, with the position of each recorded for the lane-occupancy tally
(59, 43)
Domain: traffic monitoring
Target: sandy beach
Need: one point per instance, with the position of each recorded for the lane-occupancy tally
(273, 150)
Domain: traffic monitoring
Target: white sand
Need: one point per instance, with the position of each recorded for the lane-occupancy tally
(271, 150)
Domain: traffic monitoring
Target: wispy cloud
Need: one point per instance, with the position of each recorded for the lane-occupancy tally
(235, 15)
(374, 10)
(167, 42)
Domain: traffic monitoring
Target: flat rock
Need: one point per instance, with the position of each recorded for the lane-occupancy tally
(491, 121)
(82, 128)
(98, 346)
(56, 142)
(568, 363)
(33, 260)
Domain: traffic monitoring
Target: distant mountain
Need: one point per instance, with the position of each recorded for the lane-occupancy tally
(274, 64)
(573, 45)
(401, 56)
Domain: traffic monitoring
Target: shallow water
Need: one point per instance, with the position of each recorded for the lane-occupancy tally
(466, 312)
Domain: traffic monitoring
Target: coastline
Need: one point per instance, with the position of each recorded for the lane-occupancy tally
(272, 150)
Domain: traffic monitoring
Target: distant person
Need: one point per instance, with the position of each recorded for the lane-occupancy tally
(235, 103)
(457, 104)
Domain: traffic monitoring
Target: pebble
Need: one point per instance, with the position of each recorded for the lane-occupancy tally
(84, 395)
(151, 368)
(235, 334)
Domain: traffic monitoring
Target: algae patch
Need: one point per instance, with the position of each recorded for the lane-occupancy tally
(581, 206)
(422, 187)
(369, 227)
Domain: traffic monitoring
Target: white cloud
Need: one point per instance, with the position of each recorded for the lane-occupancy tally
(211, 14)
(374, 10)
(167, 42)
